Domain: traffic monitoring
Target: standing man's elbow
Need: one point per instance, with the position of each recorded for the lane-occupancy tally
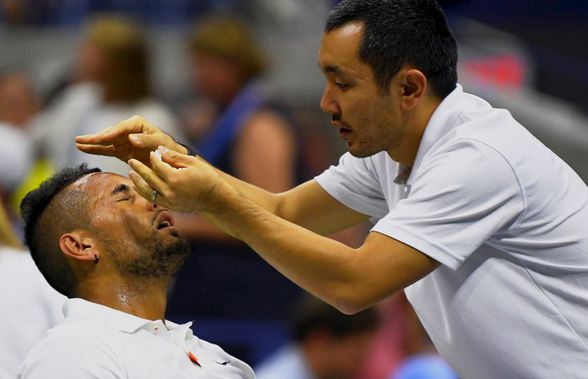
(351, 302)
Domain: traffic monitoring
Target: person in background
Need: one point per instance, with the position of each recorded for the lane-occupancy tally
(234, 124)
(399, 336)
(232, 121)
(18, 104)
(424, 366)
(326, 343)
(29, 305)
(110, 80)
(112, 253)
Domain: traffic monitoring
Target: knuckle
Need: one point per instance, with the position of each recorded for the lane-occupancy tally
(137, 119)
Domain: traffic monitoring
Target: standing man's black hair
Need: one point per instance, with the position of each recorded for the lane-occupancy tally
(399, 32)
(47, 214)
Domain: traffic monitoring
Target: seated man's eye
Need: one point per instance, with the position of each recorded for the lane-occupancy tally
(341, 85)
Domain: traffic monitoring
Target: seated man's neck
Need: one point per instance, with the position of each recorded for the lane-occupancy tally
(141, 297)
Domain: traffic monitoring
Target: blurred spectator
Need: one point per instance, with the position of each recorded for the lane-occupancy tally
(29, 305)
(73, 13)
(327, 344)
(110, 83)
(227, 71)
(401, 346)
(18, 104)
(235, 126)
(426, 366)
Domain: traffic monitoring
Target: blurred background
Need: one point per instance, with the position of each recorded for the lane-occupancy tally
(239, 81)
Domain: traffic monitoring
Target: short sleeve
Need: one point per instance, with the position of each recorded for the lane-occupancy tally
(354, 183)
(459, 199)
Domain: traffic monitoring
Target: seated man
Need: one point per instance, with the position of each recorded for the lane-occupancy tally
(112, 254)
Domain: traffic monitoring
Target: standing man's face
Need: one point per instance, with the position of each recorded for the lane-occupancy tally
(138, 237)
(369, 121)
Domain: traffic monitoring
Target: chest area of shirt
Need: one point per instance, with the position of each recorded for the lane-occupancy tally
(161, 354)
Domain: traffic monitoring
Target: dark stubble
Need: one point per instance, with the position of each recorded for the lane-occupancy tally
(163, 260)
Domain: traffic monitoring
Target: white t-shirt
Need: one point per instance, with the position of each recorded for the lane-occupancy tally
(16, 156)
(507, 219)
(29, 308)
(96, 341)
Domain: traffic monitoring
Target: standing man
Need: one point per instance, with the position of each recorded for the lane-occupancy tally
(481, 223)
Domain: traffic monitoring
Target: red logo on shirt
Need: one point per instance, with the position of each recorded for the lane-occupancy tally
(193, 358)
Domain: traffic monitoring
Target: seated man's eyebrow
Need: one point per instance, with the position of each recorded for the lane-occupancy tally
(120, 188)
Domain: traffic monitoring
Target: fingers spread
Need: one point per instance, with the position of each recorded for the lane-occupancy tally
(152, 180)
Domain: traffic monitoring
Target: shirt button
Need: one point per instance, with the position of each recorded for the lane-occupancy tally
(156, 329)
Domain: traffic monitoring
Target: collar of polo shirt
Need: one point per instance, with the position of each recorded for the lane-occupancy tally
(125, 322)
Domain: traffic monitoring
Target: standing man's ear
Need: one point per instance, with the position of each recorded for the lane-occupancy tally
(79, 245)
(414, 86)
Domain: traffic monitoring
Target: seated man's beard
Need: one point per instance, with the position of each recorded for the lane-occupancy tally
(161, 261)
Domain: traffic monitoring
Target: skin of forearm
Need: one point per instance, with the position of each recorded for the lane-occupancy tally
(326, 268)
(194, 226)
(259, 196)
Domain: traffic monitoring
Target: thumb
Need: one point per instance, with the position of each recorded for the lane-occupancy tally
(175, 159)
(151, 141)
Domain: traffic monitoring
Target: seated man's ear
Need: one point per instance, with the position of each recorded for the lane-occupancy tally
(79, 245)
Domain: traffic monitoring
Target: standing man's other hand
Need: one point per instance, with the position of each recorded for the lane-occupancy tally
(182, 182)
(133, 138)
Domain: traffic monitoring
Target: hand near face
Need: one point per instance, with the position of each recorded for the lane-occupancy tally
(133, 138)
(183, 182)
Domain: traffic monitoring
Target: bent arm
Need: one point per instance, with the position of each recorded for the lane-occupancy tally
(349, 279)
(288, 238)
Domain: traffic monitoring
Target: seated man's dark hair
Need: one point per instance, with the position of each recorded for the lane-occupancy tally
(311, 314)
(48, 212)
(399, 32)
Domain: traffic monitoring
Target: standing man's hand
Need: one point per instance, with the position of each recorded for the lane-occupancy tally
(182, 182)
(133, 138)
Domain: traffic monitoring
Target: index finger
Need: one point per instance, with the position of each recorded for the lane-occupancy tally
(162, 169)
(102, 137)
(132, 125)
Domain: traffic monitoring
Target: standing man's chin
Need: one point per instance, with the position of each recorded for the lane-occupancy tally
(360, 153)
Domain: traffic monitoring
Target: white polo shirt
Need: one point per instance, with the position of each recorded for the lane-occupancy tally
(508, 221)
(96, 341)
